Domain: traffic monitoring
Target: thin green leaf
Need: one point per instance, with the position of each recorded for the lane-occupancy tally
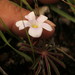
(48, 66)
(7, 29)
(57, 60)
(56, 54)
(38, 69)
(62, 13)
(26, 3)
(73, 9)
(43, 71)
(5, 43)
(61, 50)
(54, 67)
(36, 63)
(15, 3)
(27, 58)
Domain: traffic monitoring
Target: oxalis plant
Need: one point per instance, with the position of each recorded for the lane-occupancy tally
(43, 56)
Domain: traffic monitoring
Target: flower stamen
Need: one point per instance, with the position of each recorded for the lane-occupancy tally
(35, 26)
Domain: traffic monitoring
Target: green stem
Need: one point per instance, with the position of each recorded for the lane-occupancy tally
(31, 45)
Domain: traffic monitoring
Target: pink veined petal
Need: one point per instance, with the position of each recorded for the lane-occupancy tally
(30, 16)
(41, 18)
(35, 32)
(46, 27)
(22, 24)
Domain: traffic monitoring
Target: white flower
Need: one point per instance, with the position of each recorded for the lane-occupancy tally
(35, 25)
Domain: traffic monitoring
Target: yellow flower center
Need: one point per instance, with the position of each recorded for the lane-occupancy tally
(35, 26)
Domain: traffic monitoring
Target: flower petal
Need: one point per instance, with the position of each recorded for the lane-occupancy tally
(30, 16)
(22, 24)
(41, 18)
(35, 32)
(46, 27)
(21, 27)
